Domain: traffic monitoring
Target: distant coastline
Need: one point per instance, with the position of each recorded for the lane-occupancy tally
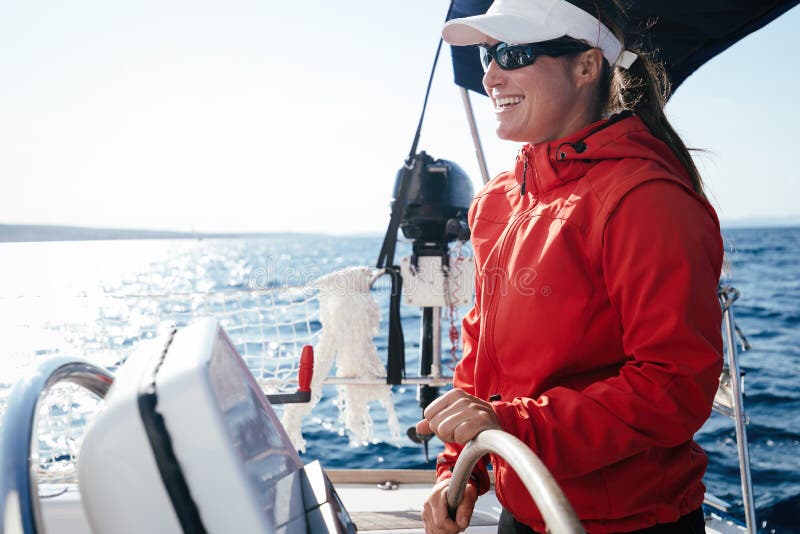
(762, 222)
(17, 233)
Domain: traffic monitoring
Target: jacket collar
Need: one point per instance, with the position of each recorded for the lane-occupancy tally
(546, 166)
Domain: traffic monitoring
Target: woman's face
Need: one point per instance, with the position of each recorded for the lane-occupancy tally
(538, 103)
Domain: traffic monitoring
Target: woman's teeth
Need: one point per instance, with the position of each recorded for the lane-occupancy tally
(508, 101)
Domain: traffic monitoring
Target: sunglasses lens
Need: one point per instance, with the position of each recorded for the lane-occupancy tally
(510, 57)
(485, 57)
(514, 57)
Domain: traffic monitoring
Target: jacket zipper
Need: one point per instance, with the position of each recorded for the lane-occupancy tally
(505, 247)
(523, 188)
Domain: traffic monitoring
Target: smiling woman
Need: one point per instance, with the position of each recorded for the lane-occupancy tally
(607, 207)
(294, 116)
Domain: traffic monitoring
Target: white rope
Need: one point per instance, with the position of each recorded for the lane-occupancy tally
(350, 319)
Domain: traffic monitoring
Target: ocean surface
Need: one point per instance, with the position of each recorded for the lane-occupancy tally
(46, 289)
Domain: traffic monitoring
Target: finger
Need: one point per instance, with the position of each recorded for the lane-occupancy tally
(443, 402)
(465, 509)
(426, 523)
(426, 518)
(435, 407)
(456, 407)
(445, 525)
(474, 426)
(461, 404)
(440, 516)
(462, 421)
(423, 427)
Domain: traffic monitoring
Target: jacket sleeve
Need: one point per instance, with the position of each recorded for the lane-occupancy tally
(463, 378)
(661, 260)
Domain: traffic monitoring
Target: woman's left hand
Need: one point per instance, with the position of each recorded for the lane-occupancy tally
(457, 417)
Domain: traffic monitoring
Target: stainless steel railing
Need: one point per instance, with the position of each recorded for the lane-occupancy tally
(19, 502)
(554, 506)
(729, 400)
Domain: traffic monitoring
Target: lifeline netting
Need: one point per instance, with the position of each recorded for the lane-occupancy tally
(338, 315)
(268, 327)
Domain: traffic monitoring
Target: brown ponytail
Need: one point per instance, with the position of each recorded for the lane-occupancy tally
(643, 89)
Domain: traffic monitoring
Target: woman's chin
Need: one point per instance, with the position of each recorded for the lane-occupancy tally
(507, 132)
(511, 134)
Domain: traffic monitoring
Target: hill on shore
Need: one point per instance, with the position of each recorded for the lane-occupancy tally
(10, 233)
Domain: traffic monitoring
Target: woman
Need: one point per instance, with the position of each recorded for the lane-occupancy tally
(595, 335)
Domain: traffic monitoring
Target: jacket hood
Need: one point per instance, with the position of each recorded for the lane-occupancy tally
(546, 166)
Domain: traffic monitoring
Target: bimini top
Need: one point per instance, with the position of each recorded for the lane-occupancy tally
(686, 33)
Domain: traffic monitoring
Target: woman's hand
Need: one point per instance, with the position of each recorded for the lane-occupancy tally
(457, 417)
(434, 511)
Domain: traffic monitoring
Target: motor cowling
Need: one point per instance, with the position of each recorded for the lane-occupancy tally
(437, 201)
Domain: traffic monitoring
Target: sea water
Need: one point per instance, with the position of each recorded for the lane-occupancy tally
(40, 282)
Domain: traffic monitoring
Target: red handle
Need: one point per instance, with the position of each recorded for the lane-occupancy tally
(306, 370)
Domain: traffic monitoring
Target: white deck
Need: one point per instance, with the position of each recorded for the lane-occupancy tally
(374, 510)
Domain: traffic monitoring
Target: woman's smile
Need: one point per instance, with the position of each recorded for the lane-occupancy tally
(506, 103)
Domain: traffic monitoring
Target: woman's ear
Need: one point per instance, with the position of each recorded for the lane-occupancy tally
(587, 67)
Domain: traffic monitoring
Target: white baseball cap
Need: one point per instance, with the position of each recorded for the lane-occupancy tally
(534, 21)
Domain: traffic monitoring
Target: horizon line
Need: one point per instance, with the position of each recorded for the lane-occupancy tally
(20, 233)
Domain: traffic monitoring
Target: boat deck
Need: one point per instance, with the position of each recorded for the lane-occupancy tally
(378, 501)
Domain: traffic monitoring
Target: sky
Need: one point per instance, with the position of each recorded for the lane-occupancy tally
(259, 116)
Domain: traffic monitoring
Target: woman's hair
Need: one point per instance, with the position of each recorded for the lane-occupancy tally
(642, 89)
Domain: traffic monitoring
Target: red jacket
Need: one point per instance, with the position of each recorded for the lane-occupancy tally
(596, 320)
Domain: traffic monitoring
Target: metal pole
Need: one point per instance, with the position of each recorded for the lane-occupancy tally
(742, 446)
(428, 346)
(436, 364)
(476, 140)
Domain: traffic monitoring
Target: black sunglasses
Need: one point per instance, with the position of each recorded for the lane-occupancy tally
(510, 57)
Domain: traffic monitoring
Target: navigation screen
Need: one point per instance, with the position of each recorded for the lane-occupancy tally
(269, 457)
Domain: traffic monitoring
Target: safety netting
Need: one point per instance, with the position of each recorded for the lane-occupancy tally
(337, 314)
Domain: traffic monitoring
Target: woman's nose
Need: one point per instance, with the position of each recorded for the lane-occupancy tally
(492, 77)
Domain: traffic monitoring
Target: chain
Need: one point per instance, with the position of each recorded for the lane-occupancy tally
(456, 258)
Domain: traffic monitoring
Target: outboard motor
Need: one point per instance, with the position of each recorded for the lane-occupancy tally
(436, 203)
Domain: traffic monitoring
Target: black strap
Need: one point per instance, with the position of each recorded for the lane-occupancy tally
(386, 256)
(396, 359)
(161, 444)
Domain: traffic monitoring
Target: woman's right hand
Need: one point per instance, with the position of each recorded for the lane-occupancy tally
(434, 511)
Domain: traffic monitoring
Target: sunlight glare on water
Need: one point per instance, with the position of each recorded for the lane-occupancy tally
(60, 283)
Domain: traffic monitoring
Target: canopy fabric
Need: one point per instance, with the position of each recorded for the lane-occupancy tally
(686, 33)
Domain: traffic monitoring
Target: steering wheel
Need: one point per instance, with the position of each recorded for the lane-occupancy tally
(19, 495)
(556, 510)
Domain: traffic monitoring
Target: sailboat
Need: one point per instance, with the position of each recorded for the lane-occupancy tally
(187, 442)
